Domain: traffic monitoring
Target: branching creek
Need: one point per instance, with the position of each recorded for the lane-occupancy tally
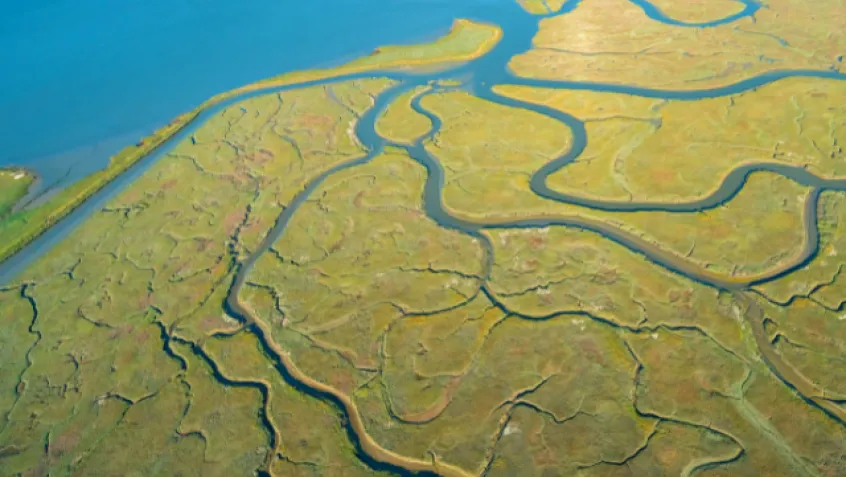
(480, 76)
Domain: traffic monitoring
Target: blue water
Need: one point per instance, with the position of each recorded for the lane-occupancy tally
(83, 84)
(519, 28)
(83, 78)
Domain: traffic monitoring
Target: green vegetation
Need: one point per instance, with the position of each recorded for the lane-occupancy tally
(466, 40)
(654, 147)
(273, 298)
(614, 41)
(545, 272)
(541, 7)
(402, 124)
(20, 228)
(699, 11)
(354, 262)
(822, 280)
(489, 165)
(101, 342)
(14, 185)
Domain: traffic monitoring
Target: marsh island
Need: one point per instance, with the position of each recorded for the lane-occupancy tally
(598, 237)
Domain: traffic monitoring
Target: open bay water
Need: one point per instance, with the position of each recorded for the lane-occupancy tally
(83, 78)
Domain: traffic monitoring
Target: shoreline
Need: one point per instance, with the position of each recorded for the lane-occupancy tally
(65, 201)
(22, 227)
(15, 174)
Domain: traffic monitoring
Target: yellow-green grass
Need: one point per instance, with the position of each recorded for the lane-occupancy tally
(566, 438)
(360, 256)
(615, 41)
(308, 129)
(812, 339)
(369, 296)
(543, 272)
(549, 366)
(699, 11)
(692, 379)
(18, 229)
(15, 319)
(351, 263)
(465, 41)
(14, 185)
(400, 123)
(437, 383)
(816, 441)
(674, 448)
(680, 151)
(488, 166)
(449, 82)
(337, 307)
(541, 7)
(308, 433)
(90, 372)
(579, 357)
(823, 278)
(368, 218)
